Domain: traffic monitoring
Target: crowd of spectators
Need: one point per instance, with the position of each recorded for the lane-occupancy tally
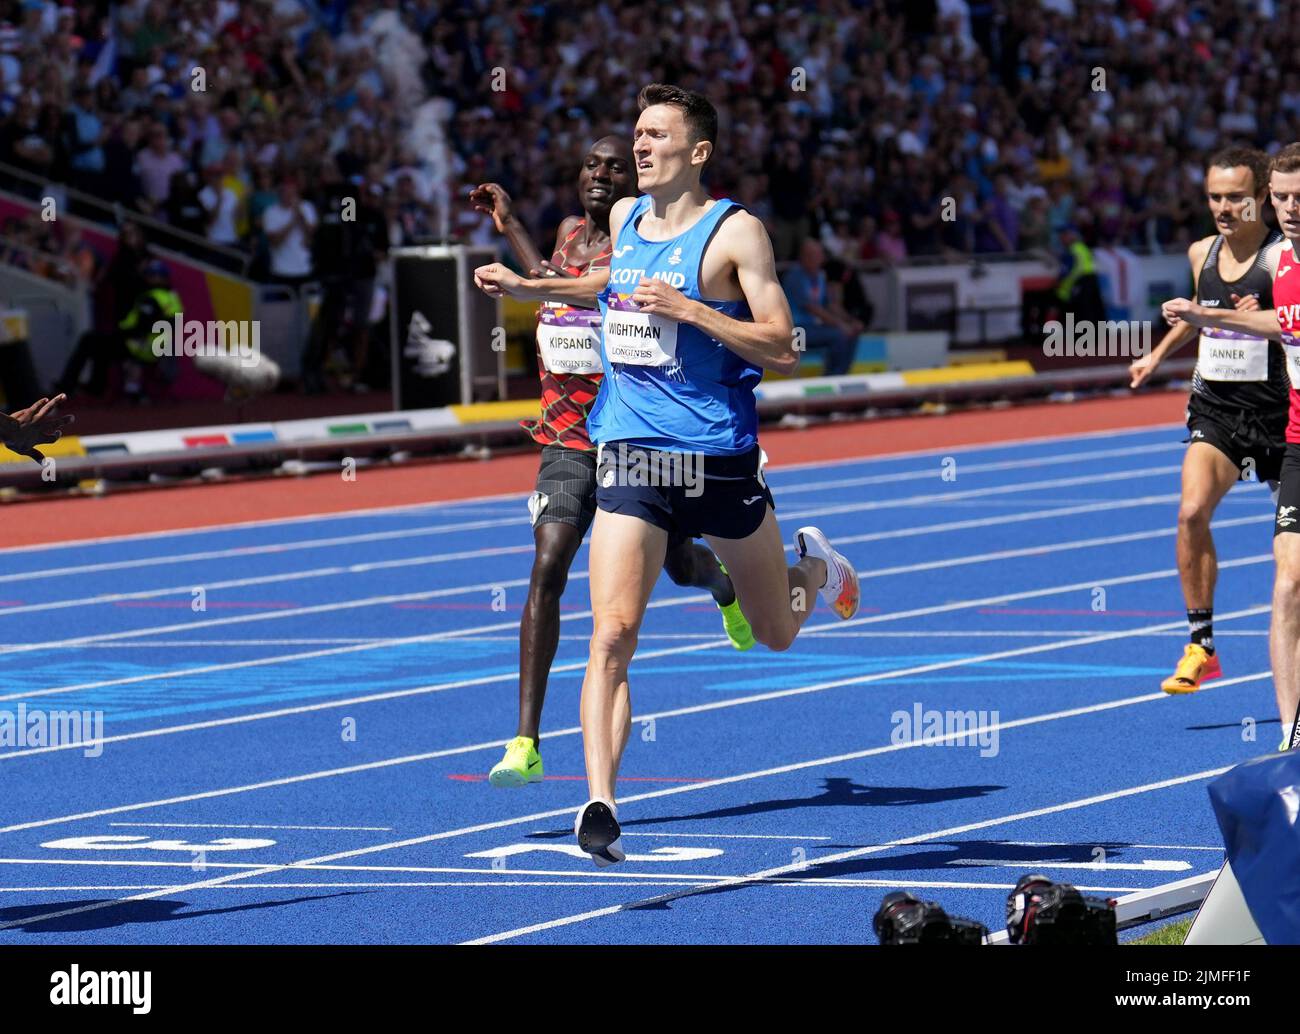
(207, 115)
(902, 128)
(886, 130)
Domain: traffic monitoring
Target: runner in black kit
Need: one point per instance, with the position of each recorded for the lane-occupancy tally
(1237, 412)
(564, 503)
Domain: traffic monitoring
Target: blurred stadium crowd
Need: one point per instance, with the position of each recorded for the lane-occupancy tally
(847, 121)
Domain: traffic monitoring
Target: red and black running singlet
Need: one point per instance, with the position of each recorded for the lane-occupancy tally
(1286, 300)
(568, 361)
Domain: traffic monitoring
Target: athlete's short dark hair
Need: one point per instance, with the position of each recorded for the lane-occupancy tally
(1286, 160)
(701, 116)
(1234, 157)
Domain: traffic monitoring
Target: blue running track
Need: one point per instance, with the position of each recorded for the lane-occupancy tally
(298, 717)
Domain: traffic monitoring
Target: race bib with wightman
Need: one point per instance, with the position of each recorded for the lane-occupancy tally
(638, 338)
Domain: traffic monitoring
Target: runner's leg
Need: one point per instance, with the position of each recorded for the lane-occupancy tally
(627, 554)
(539, 629)
(776, 597)
(1207, 476)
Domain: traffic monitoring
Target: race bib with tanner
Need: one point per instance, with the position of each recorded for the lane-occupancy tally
(639, 338)
(1228, 356)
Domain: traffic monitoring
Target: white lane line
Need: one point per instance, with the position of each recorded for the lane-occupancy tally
(925, 530)
(244, 825)
(650, 881)
(728, 836)
(272, 549)
(779, 871)
(323, 608)
(439, 506)
(338, 570)
(938, 499)
(649, 795)
(1107, 506)
(1143, 847)
(862, 852)
(882, 572)
(354, 569)
(1146, 865)
(243, 552)
(961, 470)
(1028, 551)
(1104, 506)
(649, 654)
(160, 643)
(266, 522)
(564, 877)
(1002, 633)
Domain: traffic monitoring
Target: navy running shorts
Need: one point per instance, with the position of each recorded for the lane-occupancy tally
(687, 494)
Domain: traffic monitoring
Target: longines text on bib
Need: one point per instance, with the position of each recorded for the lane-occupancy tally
(639, 338)
(569, 349)
(1233, 358)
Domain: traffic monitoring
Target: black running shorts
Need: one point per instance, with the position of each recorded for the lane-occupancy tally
(1247, 438)
(686, 494)
(566, 488)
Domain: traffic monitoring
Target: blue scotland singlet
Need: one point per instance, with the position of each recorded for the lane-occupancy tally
(669, 385)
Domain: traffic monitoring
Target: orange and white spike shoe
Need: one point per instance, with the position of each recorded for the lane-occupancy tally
(841, 589)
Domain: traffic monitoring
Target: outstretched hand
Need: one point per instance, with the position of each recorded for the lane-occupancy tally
(36, 425)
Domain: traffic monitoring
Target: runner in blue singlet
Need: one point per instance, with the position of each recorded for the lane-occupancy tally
(693, 313)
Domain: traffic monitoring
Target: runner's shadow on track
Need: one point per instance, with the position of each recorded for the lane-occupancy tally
(952, 855)
(120, 914)
(1231, 725)
(835, 793)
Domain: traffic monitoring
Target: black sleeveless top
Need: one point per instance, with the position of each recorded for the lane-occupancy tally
(1269, 397)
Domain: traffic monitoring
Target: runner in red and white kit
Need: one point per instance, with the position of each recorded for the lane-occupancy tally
(1283, 323)
(564, 503)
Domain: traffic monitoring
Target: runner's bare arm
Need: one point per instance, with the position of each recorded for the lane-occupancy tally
(1249, 321)
(1261, 322)
(580, 291)
(768, 339)
(492, 199)
(1180, 333)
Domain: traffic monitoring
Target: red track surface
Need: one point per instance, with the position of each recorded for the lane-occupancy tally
(203, 505)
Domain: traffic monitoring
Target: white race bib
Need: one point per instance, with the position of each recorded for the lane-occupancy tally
(1233, 358)
(569, 349)
(640, 339)
(1293, 363)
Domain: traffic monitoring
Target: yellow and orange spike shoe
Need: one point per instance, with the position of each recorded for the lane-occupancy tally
(1197, 666)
